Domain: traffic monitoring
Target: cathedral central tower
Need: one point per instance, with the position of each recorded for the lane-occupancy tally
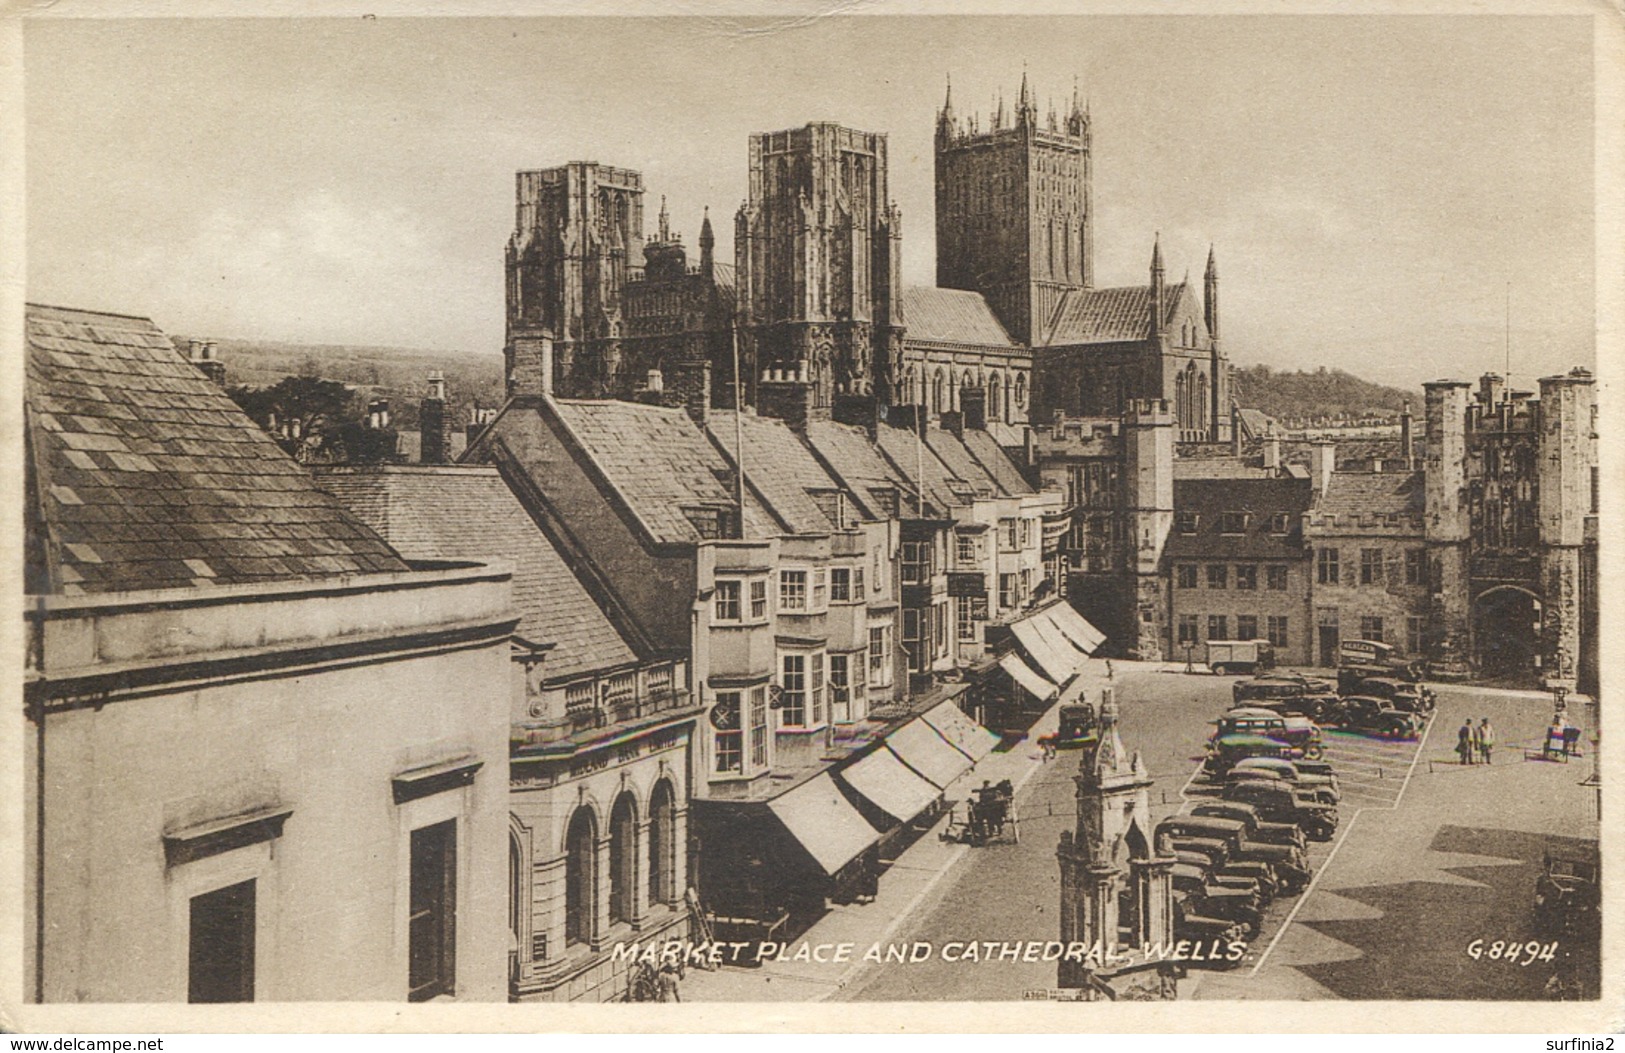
(1015, 209)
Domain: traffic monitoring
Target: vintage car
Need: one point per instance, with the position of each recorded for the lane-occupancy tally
(1225, 751)
(1288, 862)
(1077, 726)
(1287, 694)
(1373, 716)
(1258, 828)
(1319, 794)
(1399, 694)
(1360, 659)
(1230, 904)
(1208, 931)
(1190, 877)
(1260, 878)
(1278, 802)
(1568, 891)
(1240, 656)
(1298, 732)
(1299, 774)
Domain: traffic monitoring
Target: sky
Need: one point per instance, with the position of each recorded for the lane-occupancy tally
(1373, 185)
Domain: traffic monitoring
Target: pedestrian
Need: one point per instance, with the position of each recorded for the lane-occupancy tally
(1554, 737)
(1047, 744)
(666, 984)
(1464, 741)
(1571, 740)
(1486, 739)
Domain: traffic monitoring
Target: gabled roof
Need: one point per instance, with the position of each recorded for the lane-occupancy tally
(468, 512)
(1220, 466)
(660, 463)
(1108, 316)
(782, 470)
(150, 477)
(961, 462)
(859, 465)
(911, 457)
(992, 456)
(723, 275)
(951, 316)
(1372, 493)
(1209, 499)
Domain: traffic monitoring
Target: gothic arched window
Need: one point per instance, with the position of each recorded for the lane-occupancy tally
(581, 877)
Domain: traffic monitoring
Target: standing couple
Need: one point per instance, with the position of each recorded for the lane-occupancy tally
(1473, 744)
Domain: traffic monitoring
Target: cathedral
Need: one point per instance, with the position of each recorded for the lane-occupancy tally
(814, 305)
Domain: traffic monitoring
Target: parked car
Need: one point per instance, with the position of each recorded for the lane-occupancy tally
(1280, 803)
(1258, 828)
(1225, 751)
(1229, 904)
(1286, 693)
(1260, 881)
(1318, 794)
(1295, 772)
(1299, 732)
(1373, 716)
(1568, 891)
(1399, 694)
(1240, 656)
(1288, 866)
(1360, 659)
(1191, 924)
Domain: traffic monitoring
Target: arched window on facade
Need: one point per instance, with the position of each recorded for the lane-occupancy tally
(993, 410)
(1182, 407)
(623, 858)
(662, 844)
(1201, 414)
(936, 391)
(1021, 389)
(580, 877)
(1007, 409)
(518, 889)
(953, 389)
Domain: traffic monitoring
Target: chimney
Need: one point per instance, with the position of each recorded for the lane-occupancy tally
(1235, 429)
(1407, 448)
(378, 414)
(1490, 386)
(478, 418)
(434, 422)
(973, 408)
(784, 393)
(1272, 452)
(860, 410)
(1322, 463)
(689, 387)
(530, 365)
(201, 353)
(954, 421)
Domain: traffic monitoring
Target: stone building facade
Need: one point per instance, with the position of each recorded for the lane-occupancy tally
(817, 248)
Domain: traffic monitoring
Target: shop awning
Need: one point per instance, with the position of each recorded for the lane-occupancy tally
(1076, 628)
(828, 827)
(1023, 674)
(1056, 665)
(890, 785)
(962, 733)
(1058, 641)
(928, 753)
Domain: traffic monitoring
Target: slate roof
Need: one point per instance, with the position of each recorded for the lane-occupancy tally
(780, 467)
(660, 462)
(951, 316)
(942, 490)
(859, 465)
(1355, 494)
(1210, 498)
(722, 274)
(992, 457)
(150, 477)
(961, 462)
(437, 512)
(1108, 316)
(1220, 466)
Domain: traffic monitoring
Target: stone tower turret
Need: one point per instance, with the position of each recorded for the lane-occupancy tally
(1447, 525)
(1148, 479)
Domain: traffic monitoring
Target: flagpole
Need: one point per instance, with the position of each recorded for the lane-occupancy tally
(739, 434)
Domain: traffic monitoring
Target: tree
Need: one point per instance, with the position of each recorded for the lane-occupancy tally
(318, 419)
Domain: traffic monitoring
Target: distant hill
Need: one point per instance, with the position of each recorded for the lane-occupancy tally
(394, 373)
(1318, 393)
(400, 374)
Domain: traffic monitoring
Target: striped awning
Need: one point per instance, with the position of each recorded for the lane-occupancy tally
(1056, 665)
(962, 733)
(828, 827)
(1076, 628)
(892, 786)
(1023, 674)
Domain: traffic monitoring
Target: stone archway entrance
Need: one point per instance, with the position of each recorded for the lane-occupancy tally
(1506, 632)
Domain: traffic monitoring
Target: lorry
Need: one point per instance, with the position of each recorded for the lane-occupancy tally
(1240, 656)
